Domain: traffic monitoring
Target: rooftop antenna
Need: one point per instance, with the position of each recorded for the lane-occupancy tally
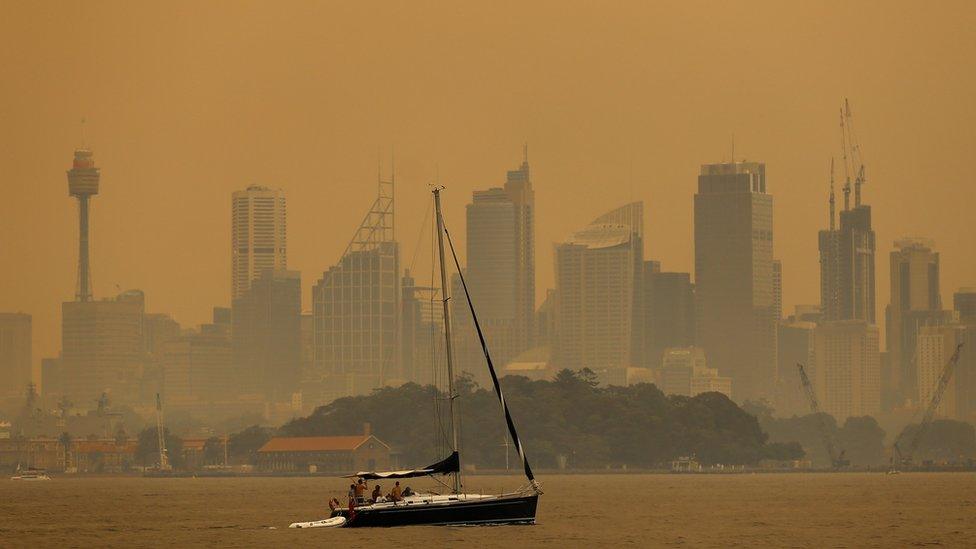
(84, 141)
(733, 147)
(525, 153)
(856, 162)
(832, 207)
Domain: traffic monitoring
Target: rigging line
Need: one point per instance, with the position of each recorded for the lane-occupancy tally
(491, 369)
(420, 235)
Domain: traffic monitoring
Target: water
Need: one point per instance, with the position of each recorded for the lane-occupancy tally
(784, 510)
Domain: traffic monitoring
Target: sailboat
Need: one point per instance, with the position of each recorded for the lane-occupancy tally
(456, 508)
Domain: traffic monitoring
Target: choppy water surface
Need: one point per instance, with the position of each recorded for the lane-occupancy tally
(795, 510)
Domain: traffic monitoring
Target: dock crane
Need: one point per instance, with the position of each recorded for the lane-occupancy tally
(944, 379)
(836, 460)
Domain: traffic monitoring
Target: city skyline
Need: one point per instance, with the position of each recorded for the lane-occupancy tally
(641, 141)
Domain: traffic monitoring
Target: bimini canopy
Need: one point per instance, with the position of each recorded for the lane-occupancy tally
(448, 465)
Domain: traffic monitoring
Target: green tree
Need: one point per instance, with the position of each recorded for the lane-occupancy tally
(243, 446)
(862, 440)
(147, 449)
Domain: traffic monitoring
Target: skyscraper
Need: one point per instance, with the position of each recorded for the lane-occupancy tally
(847, 368)
(964, 302)
(847, 277)
(197, 365)
(915, 302)
(934, 346)
(15, 353)
(355, 308)
(501, 265)
(669, 312)
(83, 178)
(267, 343)
(597, 292)
(734, 275)
(258, 235)
(103, 347)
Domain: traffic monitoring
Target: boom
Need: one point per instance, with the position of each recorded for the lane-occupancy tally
(835, 460)
(940, 389)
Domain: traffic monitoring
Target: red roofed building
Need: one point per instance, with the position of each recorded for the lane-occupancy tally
(103, 455)
(346, 454)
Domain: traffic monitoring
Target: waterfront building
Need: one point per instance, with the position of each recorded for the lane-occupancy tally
(258, 235)
(736, 321)
(325, 454)
(15, 353)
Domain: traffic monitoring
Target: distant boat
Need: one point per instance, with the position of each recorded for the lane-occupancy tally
(30, 474)
(456, 508)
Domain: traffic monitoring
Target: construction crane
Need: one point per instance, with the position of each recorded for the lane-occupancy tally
(161, 438)
(944, 379)
(836, 460)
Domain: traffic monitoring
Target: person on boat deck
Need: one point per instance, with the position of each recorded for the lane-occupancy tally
(352, 494)
(360, 489)
(334, 504)
(396, 494)
(377, 493)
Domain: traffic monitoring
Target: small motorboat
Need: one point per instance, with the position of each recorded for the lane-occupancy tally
(31, 474)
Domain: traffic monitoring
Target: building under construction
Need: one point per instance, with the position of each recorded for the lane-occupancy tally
(355, 308)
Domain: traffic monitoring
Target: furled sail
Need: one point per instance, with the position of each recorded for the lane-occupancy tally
(446, 466)
(491, 370)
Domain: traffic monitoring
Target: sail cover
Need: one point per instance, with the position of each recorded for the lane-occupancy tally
(448, 465)
(491, 370)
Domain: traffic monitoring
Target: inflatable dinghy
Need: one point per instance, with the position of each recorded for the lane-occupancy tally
(334, 522)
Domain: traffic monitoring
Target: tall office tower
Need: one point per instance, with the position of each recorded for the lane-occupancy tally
(934, 346)
(355, 308)
(847, 278)
(545, 322)
(597, 271)
(258, 235)
(15, 353)
(669, 312)
(794, 344)
(421, 326)
(915, 302)
(518, 187)
(846, 371)
(964, 302)
(197, 365)
(83, 180)
(158, 329)
(501, 269)
(267, 337)
(103, 346)
(734, 275)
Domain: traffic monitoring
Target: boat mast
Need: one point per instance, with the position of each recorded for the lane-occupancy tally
(445, 296)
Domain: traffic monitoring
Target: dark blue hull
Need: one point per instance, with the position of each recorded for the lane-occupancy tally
(516, 509)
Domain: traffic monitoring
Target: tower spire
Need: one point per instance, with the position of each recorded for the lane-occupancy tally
(847, 171)
(83, 180)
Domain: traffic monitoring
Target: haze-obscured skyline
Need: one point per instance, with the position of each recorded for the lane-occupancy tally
(184, 106)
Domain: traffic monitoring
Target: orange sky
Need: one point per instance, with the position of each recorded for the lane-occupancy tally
(186, 103)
